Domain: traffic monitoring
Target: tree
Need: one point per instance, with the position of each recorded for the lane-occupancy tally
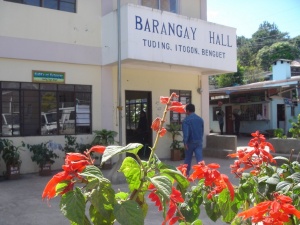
(231, 79)
(253, 74)
(266, 35)
(296, 41)
(280, 50)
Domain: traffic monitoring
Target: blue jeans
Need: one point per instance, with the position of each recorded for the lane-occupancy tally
(193, 148)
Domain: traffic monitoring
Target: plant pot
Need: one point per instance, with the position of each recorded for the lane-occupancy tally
(12, 172)
(176, 155)
(45, 170)
(107, 165)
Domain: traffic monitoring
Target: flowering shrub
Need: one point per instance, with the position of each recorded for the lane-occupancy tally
(267, 194)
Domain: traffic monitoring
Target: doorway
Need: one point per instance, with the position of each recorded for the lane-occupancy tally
(138, 111)
(228, 120)
(281, 116)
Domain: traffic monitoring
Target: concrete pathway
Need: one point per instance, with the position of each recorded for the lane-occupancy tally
(20, 200)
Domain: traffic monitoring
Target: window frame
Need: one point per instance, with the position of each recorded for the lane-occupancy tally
(42, 3)
(36, 101)
(187, 94)
(158, 3)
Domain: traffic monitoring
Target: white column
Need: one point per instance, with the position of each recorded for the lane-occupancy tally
(205, 105)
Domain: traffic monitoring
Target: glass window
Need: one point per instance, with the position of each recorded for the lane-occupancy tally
(10, 113)
(63, 5)
(32, 2)
(51, 4)
(30, 109)
(185, 97)
(165, 5)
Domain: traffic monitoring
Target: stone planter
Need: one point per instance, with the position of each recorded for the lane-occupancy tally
(284, 146)
(45, 170)
(12, 172)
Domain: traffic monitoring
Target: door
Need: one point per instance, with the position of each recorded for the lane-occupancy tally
(228, 120)
(281, 116)
(138, 120)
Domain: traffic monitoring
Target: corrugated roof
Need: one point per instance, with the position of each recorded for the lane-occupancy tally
(293, 81)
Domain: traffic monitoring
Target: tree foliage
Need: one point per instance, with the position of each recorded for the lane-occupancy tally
(230, 79)
(256, 55)
(280, 50)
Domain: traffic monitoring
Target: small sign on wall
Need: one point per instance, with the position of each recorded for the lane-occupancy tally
(48, 77)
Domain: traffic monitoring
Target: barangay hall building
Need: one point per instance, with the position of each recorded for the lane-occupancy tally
(72, 67)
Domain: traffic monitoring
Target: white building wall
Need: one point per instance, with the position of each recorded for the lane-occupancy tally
(35, 38)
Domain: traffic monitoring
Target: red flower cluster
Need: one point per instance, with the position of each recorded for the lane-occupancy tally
(172, 106)
(252, 158)
(175, 198)
(213, 178)
(276, 212)
(74, 164)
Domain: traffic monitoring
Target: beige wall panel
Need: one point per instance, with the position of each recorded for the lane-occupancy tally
(31, 22)
(159, 83)
(190, 8)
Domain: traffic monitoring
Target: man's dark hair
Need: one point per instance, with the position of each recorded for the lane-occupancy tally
(190, 108)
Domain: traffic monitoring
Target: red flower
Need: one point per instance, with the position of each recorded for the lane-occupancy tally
(212, 178)
(50, 189)
(277, 211)
(164, 100)
(155, 124)
(252, 158)
(175, 198)
(97, 148)
(183, 169)
(179, 109)
(162, 132)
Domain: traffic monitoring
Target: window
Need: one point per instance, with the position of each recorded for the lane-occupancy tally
(165, 5)
(30, 109)
(62, 5)
(185, 97)
(133, 111)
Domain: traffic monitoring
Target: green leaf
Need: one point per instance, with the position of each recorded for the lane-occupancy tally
(163, 186)
(262, 179)
(176, 175)
(121, 196)
(72, 206)
(92, 172)
(295, 177)
(283, 186)
(132, 172)
(281, 158)
(191, 208)
(296, 189)
(225, 204)
(102, 200)
(112, 150)
(129, 213)
(212, 210)
(98, 218)
(274, 180)
(196, 222)
(85, 222)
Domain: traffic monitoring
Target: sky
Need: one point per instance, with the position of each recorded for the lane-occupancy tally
(247, 15)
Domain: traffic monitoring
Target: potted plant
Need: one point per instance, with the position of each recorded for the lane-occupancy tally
(70, 144)
(175, 147)
(104, 137)
(43, 156)
(11, 157)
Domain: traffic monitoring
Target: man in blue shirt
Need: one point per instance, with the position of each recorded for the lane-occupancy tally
(193, 129)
